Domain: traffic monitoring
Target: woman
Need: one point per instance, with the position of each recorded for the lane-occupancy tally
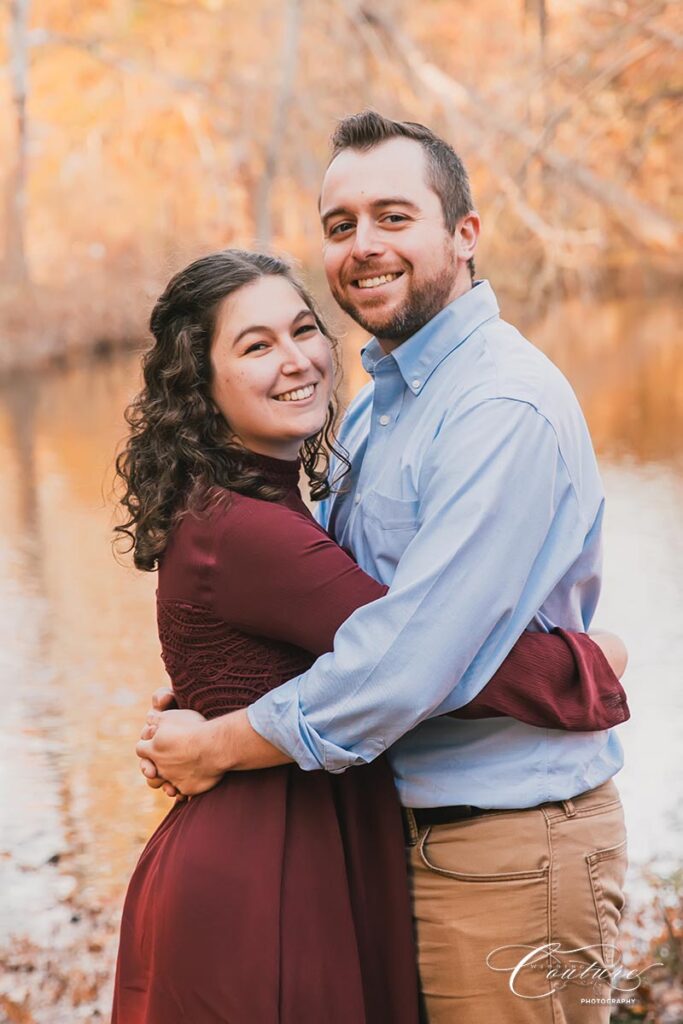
(277, 897)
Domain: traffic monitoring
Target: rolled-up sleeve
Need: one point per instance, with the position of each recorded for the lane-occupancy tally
(499, 525)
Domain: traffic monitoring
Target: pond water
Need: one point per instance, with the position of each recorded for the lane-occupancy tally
(78, 650)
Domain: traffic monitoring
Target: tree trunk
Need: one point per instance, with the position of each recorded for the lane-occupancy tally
(538, 9)
(16, 267)
(273, 149)
(533, 176)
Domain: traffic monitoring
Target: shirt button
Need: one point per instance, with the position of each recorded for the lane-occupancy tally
(384, 420)
(356, 500)
(416, 384)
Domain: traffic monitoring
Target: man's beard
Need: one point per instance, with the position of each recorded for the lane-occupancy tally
(422, 304)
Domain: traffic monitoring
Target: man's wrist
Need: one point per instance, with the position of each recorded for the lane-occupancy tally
(230, 743)
(216, 744)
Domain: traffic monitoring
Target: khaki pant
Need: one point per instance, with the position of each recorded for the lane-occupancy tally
(491, 890)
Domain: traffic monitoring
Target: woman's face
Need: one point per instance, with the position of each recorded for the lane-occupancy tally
(272, 368)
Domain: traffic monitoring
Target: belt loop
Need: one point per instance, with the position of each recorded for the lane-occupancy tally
(569, 808)
(410, 826)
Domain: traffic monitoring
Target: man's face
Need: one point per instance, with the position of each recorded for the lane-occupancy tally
(390, 263)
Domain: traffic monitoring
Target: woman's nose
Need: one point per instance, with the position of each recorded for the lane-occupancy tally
(294, 359)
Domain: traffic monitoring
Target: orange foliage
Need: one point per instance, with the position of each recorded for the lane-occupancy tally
(150, 125)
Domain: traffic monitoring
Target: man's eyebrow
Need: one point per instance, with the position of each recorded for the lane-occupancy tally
(334, 212)
(396, 201)
(376, 203)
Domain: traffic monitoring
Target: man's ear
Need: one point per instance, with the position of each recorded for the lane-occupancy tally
(466, 236)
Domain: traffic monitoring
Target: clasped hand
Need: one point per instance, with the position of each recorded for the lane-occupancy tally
(172, 754)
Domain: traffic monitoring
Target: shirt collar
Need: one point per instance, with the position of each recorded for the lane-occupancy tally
(419, 356)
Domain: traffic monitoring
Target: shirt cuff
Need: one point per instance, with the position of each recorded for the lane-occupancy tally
(278, 718)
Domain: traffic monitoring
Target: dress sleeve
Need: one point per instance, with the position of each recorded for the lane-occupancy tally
(557, 680)
(281, 576)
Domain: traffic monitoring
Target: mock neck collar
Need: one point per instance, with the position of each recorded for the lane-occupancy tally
(278, 471)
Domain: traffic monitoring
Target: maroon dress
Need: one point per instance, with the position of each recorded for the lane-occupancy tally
(280, 896)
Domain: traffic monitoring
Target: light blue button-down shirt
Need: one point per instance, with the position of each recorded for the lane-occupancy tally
(475, 495)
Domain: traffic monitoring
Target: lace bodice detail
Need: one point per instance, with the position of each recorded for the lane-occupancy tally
(216, 668)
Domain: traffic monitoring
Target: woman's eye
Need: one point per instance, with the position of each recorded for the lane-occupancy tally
(305, 329)
(256, 347)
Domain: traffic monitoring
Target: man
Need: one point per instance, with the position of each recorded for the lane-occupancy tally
(474, 494)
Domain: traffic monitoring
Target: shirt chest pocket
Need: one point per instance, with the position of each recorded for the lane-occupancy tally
(391, 514)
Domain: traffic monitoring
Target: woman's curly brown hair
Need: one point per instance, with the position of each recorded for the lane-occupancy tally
(180, 449)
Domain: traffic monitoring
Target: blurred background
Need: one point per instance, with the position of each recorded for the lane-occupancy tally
(140, 133)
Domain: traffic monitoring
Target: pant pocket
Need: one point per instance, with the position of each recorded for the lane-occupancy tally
(607, 872)
(472, 930)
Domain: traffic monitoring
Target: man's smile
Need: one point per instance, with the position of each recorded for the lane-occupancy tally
(377, 281)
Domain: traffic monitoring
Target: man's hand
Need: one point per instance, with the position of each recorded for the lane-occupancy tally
(174, 744)
(184, 754)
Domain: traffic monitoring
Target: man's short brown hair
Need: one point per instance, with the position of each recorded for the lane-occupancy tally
(446, 172)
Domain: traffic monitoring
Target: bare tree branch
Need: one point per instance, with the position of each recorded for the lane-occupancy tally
(644, 22)
(283, 98)
(640, 220)
(16, 268)
(599, 81)
(99, 50)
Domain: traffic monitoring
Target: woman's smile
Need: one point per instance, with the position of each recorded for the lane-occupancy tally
(298, 395)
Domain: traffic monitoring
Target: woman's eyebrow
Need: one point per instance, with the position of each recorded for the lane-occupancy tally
(264, 327)
(301, 314)
(248, 330)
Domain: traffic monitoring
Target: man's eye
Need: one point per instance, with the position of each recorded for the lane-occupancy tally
(395, 218)
(339, 228)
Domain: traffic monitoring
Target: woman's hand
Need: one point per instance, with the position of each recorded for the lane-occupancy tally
(614, 649)
(173, 746)
(163, 699)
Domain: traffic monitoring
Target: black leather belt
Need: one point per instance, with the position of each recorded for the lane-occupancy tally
(424, 816)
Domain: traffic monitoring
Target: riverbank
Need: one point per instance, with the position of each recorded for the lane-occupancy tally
(43, 328)
(68, 977)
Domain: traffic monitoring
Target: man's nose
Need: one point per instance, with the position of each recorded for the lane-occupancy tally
(367, 241)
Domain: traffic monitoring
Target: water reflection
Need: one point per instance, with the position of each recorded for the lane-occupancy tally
(626, 364)
(642, 599)
(78, 649)
(78, 645)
